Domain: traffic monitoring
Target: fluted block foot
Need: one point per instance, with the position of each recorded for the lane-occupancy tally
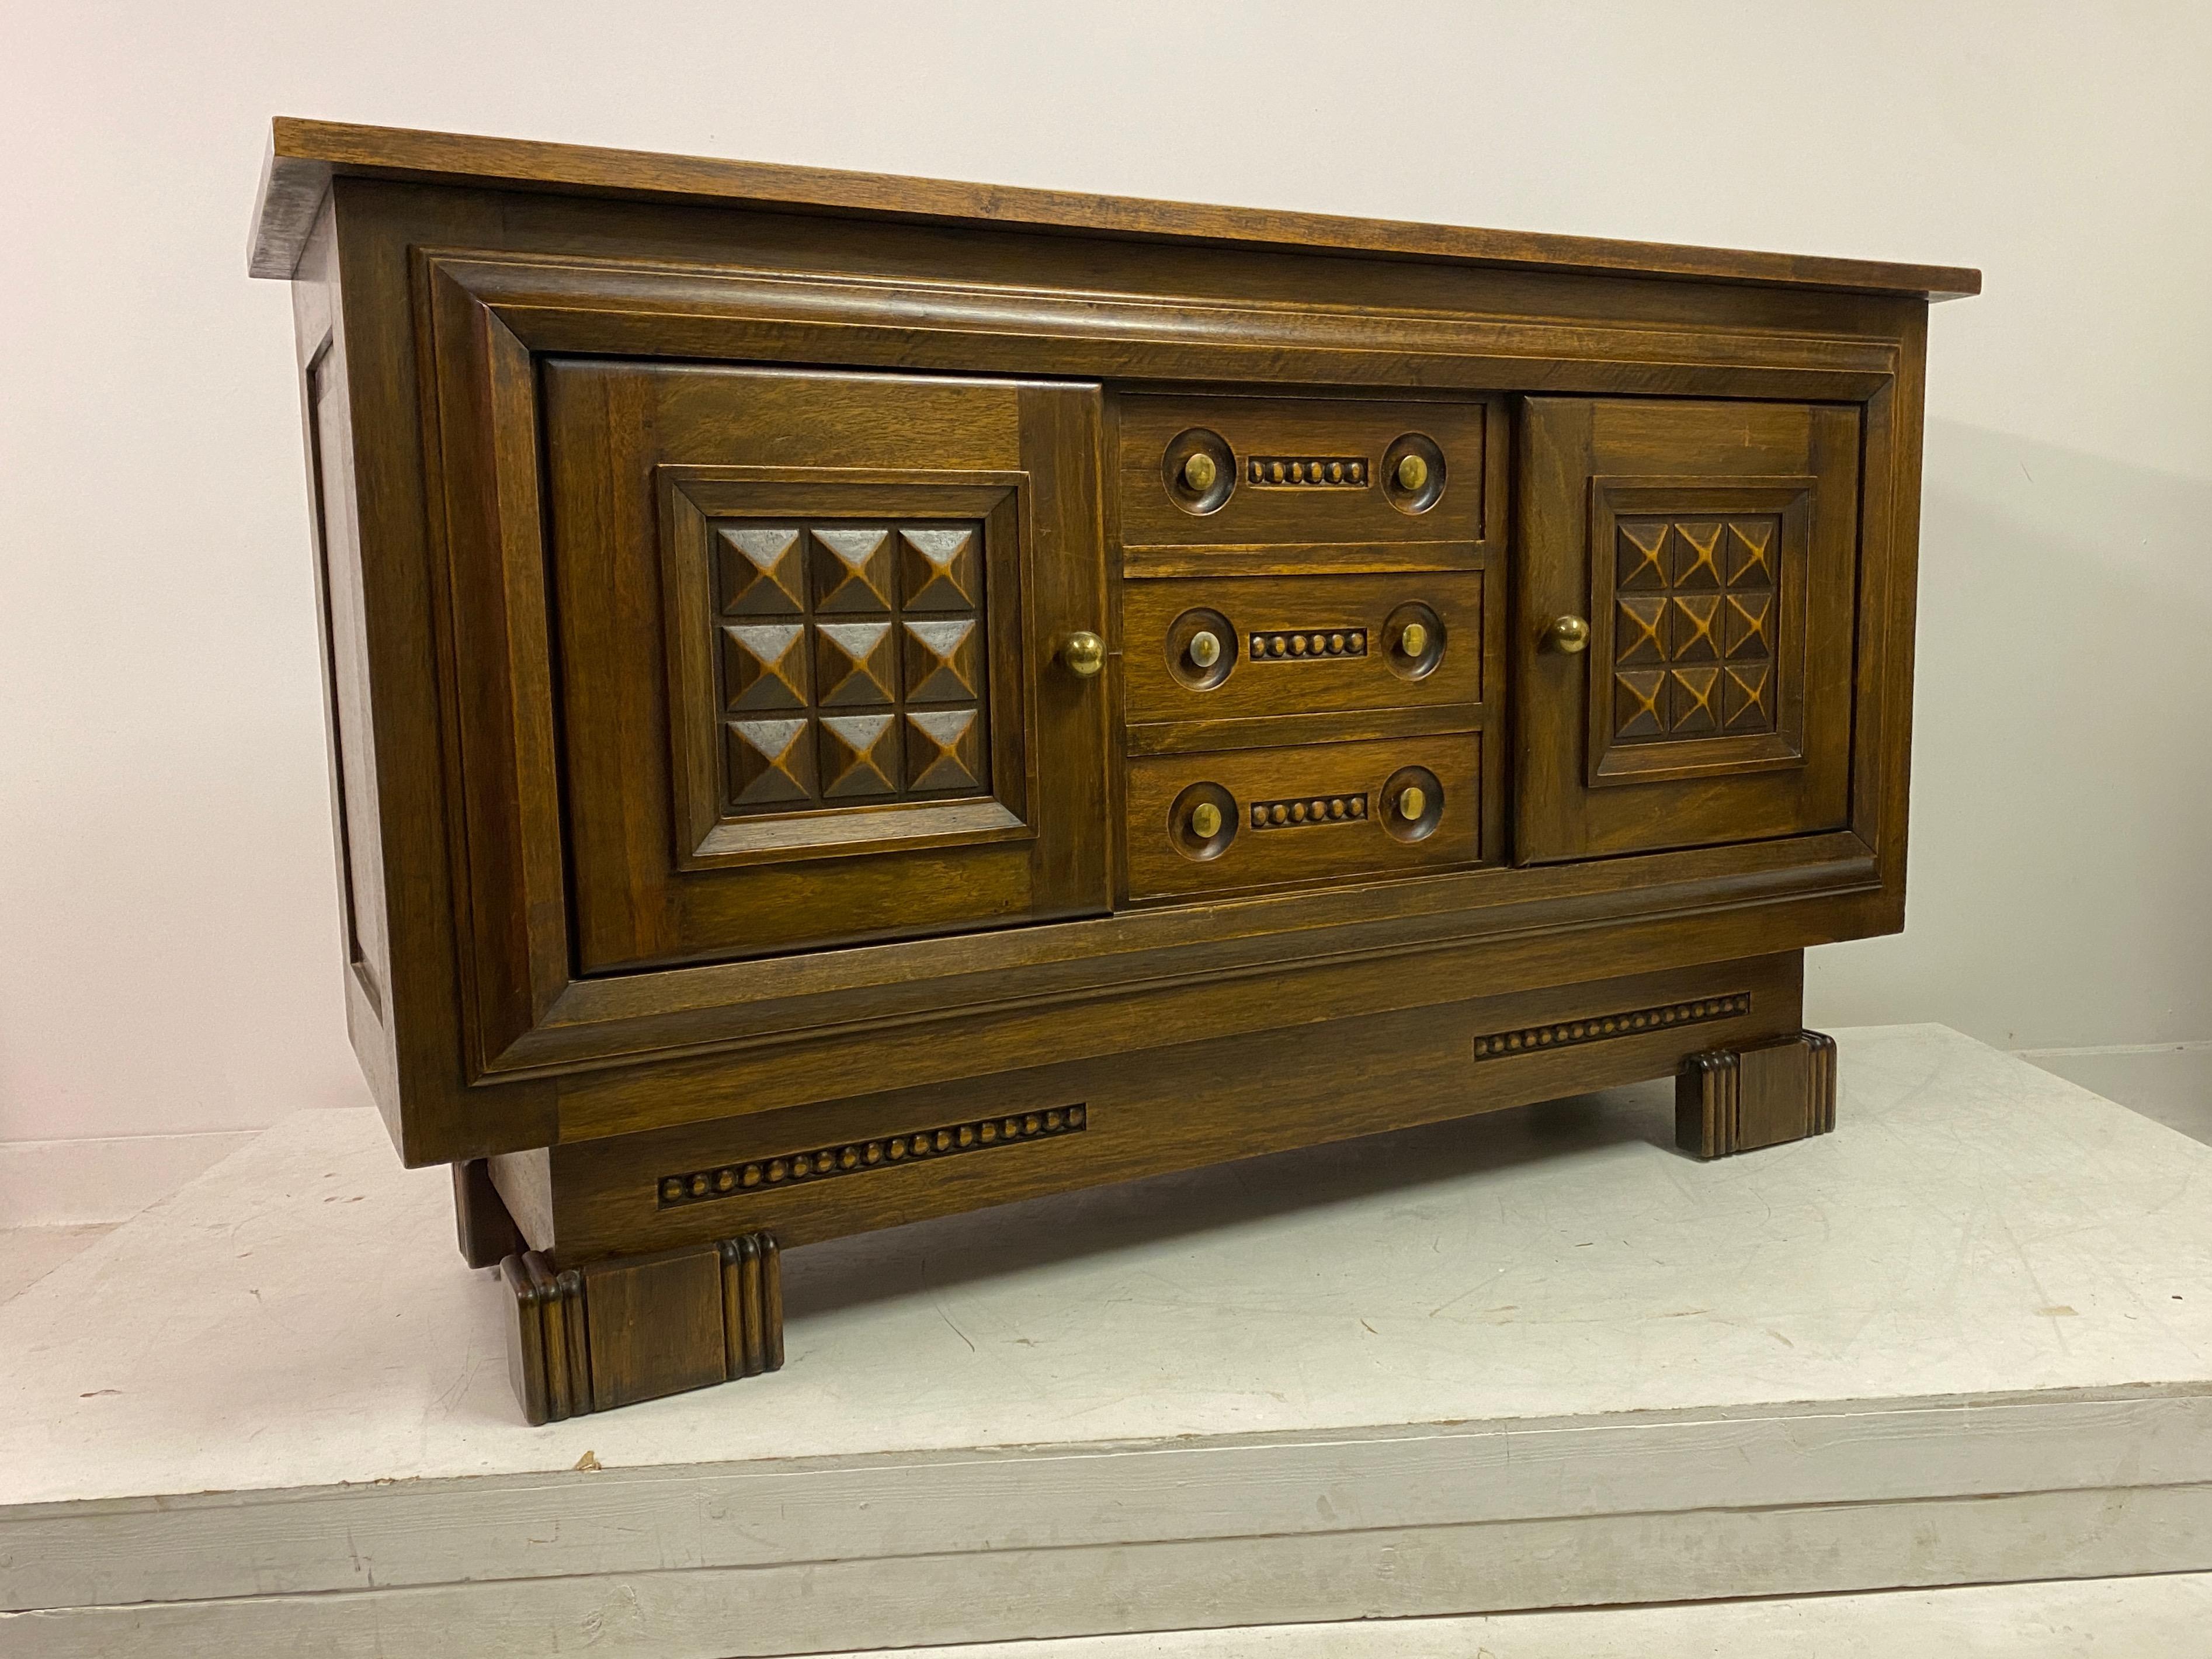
(629, 1328)
(1737, 1100)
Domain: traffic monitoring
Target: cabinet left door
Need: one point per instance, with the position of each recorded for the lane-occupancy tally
(808, 630)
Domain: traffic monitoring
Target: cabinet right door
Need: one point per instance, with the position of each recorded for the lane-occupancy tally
(1712, 549)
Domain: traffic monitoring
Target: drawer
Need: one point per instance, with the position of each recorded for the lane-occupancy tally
(1319, 813)
(1245, 472)
(1227, 647)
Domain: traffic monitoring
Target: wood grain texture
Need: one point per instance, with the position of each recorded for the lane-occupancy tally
(1712, 549)
(621, 1330)
(726, 808)
(486, 1232)
(1318, 813)
(810, 815)
(305, 154)
(1296, 645)
(1262, 495)
(1737, 1100)
(571, 1023)
(1177, 1106)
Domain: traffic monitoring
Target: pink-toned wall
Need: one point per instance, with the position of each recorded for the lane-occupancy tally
(167, 943)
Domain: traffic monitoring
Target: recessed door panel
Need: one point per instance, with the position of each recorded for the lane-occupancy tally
(1686, 574)
(809, 689)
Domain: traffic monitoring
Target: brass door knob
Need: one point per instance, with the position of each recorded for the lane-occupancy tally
(1414, 638)
(1567, 635)
(1200, 472)
(1412, 801)
(1206, 820)
(1085, 655)
(1412, 472)
(1204, 648)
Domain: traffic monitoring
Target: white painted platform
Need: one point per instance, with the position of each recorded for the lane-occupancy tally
(1533, 1361)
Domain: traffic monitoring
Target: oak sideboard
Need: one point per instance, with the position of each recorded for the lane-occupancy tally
(854, 698)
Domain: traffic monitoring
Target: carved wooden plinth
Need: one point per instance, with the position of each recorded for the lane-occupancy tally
(616, 1332)
(1737, 1100)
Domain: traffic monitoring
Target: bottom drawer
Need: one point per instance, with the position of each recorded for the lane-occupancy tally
(1271, 817)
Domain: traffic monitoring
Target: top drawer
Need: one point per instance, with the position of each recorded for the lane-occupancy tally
(1259, 471)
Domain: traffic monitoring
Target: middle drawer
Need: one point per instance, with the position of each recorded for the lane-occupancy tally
(1206, 647)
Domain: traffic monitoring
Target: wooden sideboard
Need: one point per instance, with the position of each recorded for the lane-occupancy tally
(854, 698)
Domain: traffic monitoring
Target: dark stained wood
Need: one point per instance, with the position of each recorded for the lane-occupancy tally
(618, 1331)
(304, 155)
(1301, 816)
(1712, 551)
(654, 1326)
(1176, 1107)
(1293, 645)
(1291, 992)
(729, 844)
(846, 836)
(1307, 478)
(487, 1232)
(1737, 1100)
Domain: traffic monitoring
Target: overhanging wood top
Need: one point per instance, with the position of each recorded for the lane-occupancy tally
(305, 155)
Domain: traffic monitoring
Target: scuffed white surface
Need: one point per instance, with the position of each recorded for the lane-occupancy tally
(298, 1317)
(2076, 1618)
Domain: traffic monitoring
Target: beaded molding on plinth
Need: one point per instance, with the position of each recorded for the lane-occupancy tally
(1316, 809)
(855, 1157)
(1340, 471)
(1310, 647)
(1566, 1033)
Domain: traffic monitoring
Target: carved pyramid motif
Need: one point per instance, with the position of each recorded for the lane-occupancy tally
(764, 666)
(1695, 561)
(940, 569)
(1637, 696)
(943, 750)
(1750, 554)
(944, 661)
(1642, 561)
(771, 762)
(1639, 631)
(762, 571)
(852, 569)
(1694, 628)
(1746, 698)
(859, 756)
(851, 664)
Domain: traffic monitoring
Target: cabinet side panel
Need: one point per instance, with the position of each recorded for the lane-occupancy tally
(334, 519)
(353, 775)
(403, 728)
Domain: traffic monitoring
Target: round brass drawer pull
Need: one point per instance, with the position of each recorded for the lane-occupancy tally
(1206, 820)
(1413, 638)
(1412, 472)
(1200, 472)
(1085, 655)
(1412, 801)
(1568, 635)
(1204, 648)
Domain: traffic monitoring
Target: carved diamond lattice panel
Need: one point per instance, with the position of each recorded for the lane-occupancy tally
(849, 662)
(1693, 627)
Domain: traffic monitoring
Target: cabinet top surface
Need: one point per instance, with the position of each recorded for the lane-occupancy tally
(305, 155)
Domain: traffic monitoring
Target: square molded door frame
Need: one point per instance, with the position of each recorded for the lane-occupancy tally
(1713, 549)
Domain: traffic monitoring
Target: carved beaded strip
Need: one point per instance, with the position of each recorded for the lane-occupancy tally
(1338, 471)
(856, 1155)
(1296, 647)
(1565, 1034)
(1314, 809)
